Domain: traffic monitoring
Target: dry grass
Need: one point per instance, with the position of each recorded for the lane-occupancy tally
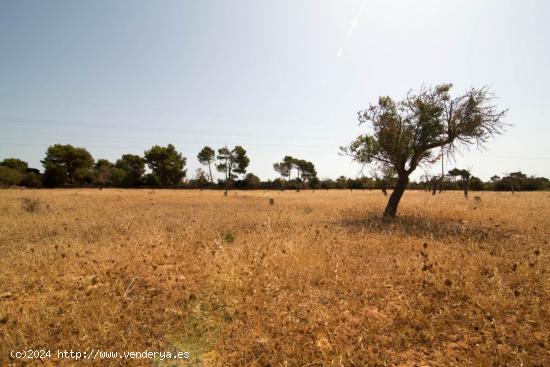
(315, 279)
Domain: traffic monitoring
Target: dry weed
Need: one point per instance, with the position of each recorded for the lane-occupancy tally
(317, 278)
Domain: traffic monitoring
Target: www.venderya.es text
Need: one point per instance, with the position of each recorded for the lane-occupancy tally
(42, 354)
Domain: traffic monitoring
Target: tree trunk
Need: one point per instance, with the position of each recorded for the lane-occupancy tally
(210, 170)
(395, 197)
(227, 173)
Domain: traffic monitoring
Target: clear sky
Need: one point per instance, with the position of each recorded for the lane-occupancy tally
(277, 77)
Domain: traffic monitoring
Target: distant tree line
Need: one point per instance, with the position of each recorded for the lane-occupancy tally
(66, 166)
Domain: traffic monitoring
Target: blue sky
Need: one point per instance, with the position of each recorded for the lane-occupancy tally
(277, 77)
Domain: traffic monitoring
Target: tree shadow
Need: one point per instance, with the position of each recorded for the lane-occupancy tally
(418, 226)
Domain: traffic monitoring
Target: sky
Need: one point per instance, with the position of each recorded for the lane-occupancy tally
(280, 77)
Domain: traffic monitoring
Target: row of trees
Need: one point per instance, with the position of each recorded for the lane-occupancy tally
(462, 179)
(66, 165)
(159, 166)
(509, 182)
(69, 165)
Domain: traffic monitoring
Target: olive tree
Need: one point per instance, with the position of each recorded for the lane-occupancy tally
(420, 128)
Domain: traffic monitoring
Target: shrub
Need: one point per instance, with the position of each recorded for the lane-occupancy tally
(32, 179)
(30, 205)
(9, 176)
(229, 237)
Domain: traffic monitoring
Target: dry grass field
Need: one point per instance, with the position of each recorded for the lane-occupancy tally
(317, 279)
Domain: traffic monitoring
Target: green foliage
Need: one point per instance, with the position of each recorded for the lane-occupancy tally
(14, 171)
(407, 133)
(9, 176)
(232, 162)
(67, 164)
(304, 170)
(151, 179)
(277, 183)
(166, 163)
(342, 182)
(288, 162)
(518, 181)
(251, 181)
(54, 174)
(476, 184)
(31, 179)
(16, 164)
(118, 176)
(465, 178)
(464, 174)
(314, 182)
(206, 157)
(228, 237)
(129, 170)
(282, 168)
(327, 184)
(83, 175)
(385, 177)
(103, 172)
(201, 179)
(241, 160)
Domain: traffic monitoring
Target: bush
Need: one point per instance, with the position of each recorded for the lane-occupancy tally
(32, 179)
(229, 237)
(9, 176)
(30, 205)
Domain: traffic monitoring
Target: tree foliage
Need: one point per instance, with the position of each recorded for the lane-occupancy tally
(201, 180)
(102, 172)
(166, 163)
(9, 176)
(129, 170)
(305, 170)
(232, 162)
(251, 181)
(206, 157)
(67, 164)
(16, 164)
(282, 169)
(465, 178)
(519, 181)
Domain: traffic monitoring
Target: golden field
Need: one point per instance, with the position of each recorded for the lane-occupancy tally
(317, 279)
